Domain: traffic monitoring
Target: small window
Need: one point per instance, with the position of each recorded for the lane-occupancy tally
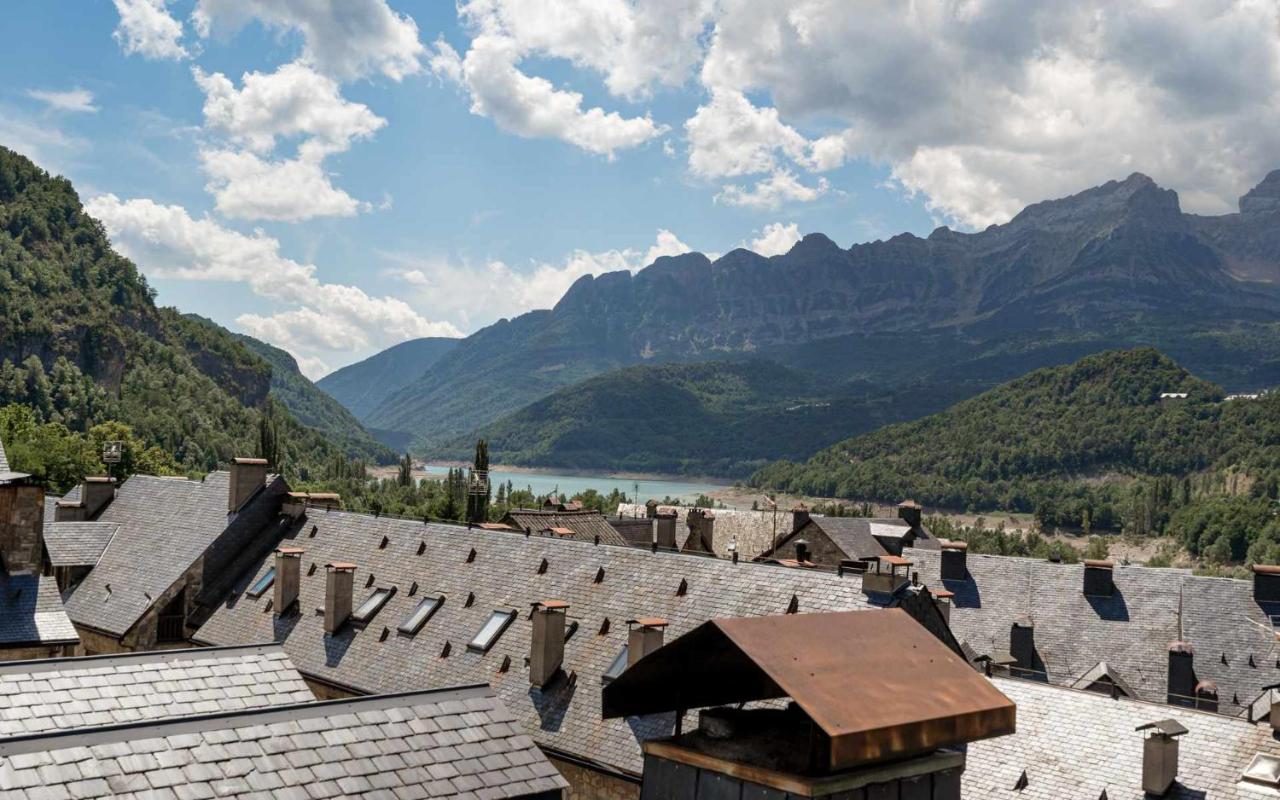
(491, 630)
(263, 584)
(372, 605)
(616, 667)
(422, 612)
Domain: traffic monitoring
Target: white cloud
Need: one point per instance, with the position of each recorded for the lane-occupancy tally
(729, 136)
(345, 39)
(73, 100)
(532, 107)
(770, 193)
(293, 103)
(454, 291)
(981, 108)
(775, 239)
(147, 29)
(325, 317)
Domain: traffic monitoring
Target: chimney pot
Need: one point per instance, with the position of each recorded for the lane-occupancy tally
(954, 565)
(802, 551)
(1022, 646)
(546, 645)
(288, 578)
(95, 493)
(799, 517)
(248, 475)
(644, 635)
(910, 512)
(339, 578)
(1160, 756)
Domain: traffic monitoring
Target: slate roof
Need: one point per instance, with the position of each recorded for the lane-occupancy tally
(1130, 631)
(165, 525)
(753, 530)
(450, 743)
(1076, 744)
(7, 475)
(31, 612)
(63, 693)
(76, 544)
(507, 572)
(4, 460)
(638, 531)
(586, 525)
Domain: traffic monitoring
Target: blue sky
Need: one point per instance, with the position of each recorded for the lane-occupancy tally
(338, 175)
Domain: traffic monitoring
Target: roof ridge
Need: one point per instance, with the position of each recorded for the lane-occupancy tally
(199, 723)
(35, 665)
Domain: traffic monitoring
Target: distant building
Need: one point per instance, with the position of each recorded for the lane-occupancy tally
(837, 540)
(564, 521)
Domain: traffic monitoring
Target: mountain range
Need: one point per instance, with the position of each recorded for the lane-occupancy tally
(933, 320)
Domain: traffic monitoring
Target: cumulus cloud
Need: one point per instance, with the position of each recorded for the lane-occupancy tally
(344, 39)
(147, 29)
(294, 103)
(775, 239)
(167, 242)
(771, 192)
(71, 100)
(980, 108)
(455, 291)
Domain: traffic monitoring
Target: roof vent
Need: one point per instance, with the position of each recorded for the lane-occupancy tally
(312, 569)
(385, 541)
(446, 650)
(471, 600)
(683, 588)
(1160, 755)
(385, 633)
(600, 575)
(1022, 782)
(312, 534)
(542, 568)
(604, 627)
(794, 605)
(422, 548)
(471, 556)
(1263, 770)
(369, 582)
(413, 588)
(506, 664)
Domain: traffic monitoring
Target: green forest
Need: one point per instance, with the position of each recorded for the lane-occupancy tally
(1088, 446)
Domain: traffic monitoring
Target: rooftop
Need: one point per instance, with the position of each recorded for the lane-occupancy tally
(584, 526)
(64, 693)
(447, 743)
(76, 544)
(31, 612)
(479, 572)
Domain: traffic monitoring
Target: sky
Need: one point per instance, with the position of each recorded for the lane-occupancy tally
(337, 176)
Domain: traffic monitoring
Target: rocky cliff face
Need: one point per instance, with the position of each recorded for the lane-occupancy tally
(1119, 259)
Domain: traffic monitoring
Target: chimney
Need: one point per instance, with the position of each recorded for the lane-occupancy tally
(1160, 755)
(339, 578)
(942, 600)
(546, 646)
(1273, 717)
(95, 493)
(651, 508)
(664, 529)
(799, 517)
(21, 527)
(644, 635)
(1207, 696)
(910, 512)
(954, 561)
(288, 578)
(1022, 646)
(802, 551)
(1097, 578)
(701, 524)
(248, 475)
(1182, 675)
(1266, 583)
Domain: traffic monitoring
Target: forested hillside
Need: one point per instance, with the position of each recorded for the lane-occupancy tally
(361, 387)
(83, 343)
(1088, 445)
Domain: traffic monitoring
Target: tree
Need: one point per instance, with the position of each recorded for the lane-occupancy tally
(269, 440)
(478, 486)
(404, 475)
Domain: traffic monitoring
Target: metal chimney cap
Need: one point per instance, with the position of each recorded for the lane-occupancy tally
(1165, 727)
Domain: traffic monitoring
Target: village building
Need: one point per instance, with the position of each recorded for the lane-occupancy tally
(563, 520)
(174, 540)
(721, 532)
(836, 540)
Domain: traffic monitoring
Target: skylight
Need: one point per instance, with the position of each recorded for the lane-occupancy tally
(615, 669)
(421, 613)
(491, 630)
(372, 605)
(263, 584)
(1264, 769)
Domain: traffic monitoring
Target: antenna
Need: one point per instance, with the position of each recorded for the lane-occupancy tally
(112, 452)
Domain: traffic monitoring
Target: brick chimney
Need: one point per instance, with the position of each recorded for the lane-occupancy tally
(1266, 583)
(288, 578)
(1098, 580)
(339, 578)
(701, 522)
(644, 635)
(546, 645)
(248, 475)
(1182, 675)
(799, 517)
(954, 564)
(1160, 756)
(21, 527)
(1022, 646)
(910, 512)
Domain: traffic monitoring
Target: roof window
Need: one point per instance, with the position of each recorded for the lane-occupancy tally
(616, 667)
(263, 584)
(1263, 770)
(372, 605)
(491, 630)
(422, 612)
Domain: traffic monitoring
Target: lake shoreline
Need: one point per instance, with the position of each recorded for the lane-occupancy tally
(586, 473)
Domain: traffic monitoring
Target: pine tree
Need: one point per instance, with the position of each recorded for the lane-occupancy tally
(478, 486)
(405, 475)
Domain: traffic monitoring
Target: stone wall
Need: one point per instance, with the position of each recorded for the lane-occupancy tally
(588, 784)
(21, 527)
(44, 651)
(752, 530)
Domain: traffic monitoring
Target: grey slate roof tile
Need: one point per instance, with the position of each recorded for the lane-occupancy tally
(31, 612)
(76, 544)
(504, 575)
(45, 765)
(586, 525)
(33, 699)
(165, 525)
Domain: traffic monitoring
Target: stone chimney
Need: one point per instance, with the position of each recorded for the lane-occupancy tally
(1022, 646)
(1098, 580)
(21, 527)
(248, 475)
(1160, 756)
(799, 517)
(1182, 675)
(288, 578)
(1266, 583)
(664, 529)
(701, 524)
(95, 494)
(546, 645)
(644, 635)
(954, 564)
(651, 508)
(339, 578)
(910, 512)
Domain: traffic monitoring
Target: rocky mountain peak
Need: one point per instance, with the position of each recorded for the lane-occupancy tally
(1263, 198)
